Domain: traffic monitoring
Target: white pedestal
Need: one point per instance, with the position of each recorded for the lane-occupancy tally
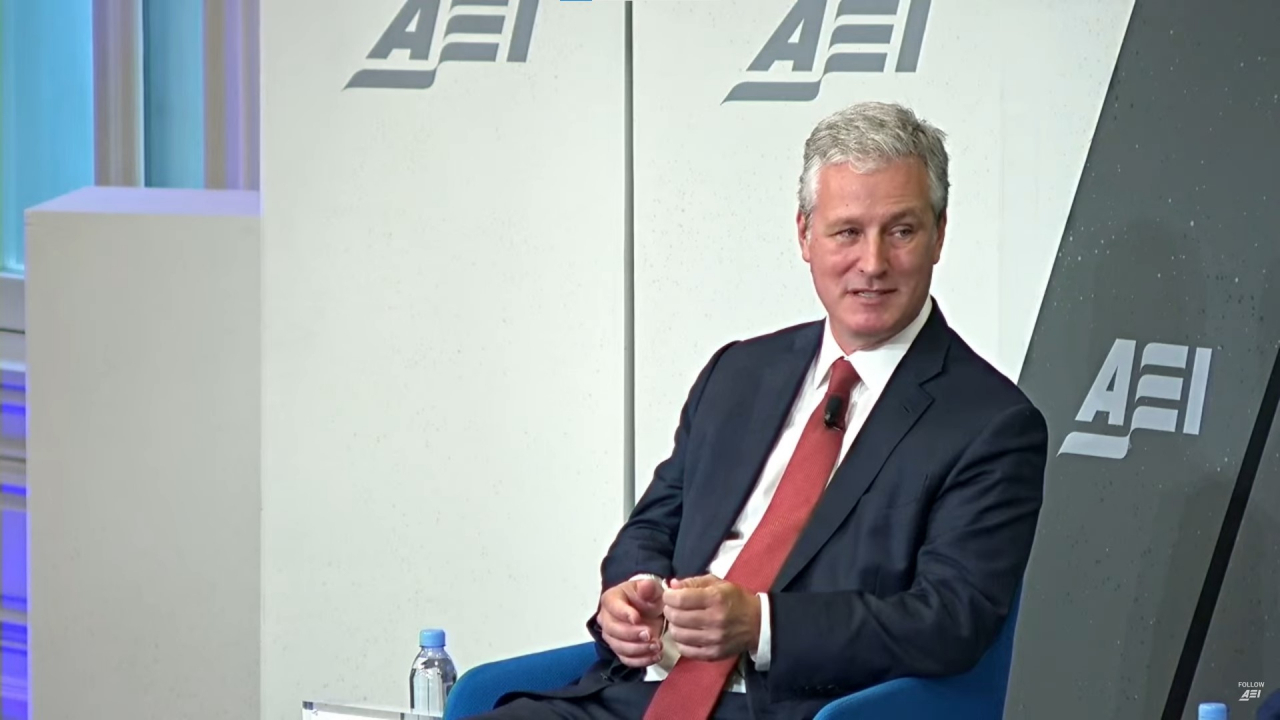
(333, 711)
(143, 356)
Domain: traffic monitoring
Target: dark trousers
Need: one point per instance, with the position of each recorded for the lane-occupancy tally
(618, 701)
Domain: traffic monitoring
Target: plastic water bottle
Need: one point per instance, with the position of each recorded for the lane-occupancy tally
(432, 675)
(1212, 711)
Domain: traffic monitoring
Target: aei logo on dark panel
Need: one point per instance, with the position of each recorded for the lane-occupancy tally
(1168, 397)
(474, 31)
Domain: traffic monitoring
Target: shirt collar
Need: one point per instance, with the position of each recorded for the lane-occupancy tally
(875, 366)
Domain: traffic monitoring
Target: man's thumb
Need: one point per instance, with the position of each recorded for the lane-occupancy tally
(648, 591)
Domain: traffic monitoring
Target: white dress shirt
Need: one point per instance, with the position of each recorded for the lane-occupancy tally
(874, 369)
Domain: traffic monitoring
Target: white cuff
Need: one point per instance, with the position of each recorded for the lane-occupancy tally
(643, 576)
(763, 655)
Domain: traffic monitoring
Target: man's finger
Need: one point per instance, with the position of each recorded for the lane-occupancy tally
(638, 633)
(687, 619)
(689, 599)
(640, 662)
(618, 607)
(634, 650)
(709, 653)
(701, 581)
(688, 637)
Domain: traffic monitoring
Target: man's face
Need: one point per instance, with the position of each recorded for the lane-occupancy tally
(871, 247)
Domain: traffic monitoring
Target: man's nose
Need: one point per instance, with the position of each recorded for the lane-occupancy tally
(874, 258)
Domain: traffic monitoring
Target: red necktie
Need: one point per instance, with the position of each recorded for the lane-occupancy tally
(693, 687)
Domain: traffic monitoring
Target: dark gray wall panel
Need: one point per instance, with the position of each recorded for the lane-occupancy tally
(1243, 646)
(1173, 238)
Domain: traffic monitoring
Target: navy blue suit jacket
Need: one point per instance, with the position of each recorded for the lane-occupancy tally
(1270, 709)
(910, 561)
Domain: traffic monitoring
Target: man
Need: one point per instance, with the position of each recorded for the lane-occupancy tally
(848, 501)
(1270, 709)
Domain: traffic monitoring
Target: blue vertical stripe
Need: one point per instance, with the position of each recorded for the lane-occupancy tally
(13, 579)
(46, 131)
(173, 92)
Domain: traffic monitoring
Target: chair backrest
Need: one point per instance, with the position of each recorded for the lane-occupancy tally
(992, 671)
(977, 693)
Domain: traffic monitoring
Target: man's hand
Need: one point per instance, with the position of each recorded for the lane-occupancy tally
(630, 619)
(711, 619)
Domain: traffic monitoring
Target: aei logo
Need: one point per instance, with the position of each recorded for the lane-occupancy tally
(478, 31)
(799, 54)
(1165, 372)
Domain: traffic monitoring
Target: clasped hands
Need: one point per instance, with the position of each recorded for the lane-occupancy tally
(706, 617)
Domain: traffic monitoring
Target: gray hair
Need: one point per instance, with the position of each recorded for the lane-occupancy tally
(867, 136)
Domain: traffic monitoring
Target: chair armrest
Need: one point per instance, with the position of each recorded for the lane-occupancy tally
(919, 699)
(480, 687)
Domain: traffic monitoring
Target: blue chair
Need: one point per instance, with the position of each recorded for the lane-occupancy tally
(974, 695)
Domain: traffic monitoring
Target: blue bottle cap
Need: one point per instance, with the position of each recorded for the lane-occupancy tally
(1212, 711)
(434, 638)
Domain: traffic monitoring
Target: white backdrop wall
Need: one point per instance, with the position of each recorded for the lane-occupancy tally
(1017, 87)
(443, 346)
(444, 338)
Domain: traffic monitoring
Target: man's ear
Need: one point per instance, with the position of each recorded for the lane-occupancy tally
(802, 234)
(939, 237)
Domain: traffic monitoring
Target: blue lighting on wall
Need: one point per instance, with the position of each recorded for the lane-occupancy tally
(13, 660)
(13, 592)
(173, 75)
(46, 125)
(13, 564)
(13, 420)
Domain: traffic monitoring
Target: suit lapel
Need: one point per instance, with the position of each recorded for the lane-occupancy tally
(770, 404)
(895, 413)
